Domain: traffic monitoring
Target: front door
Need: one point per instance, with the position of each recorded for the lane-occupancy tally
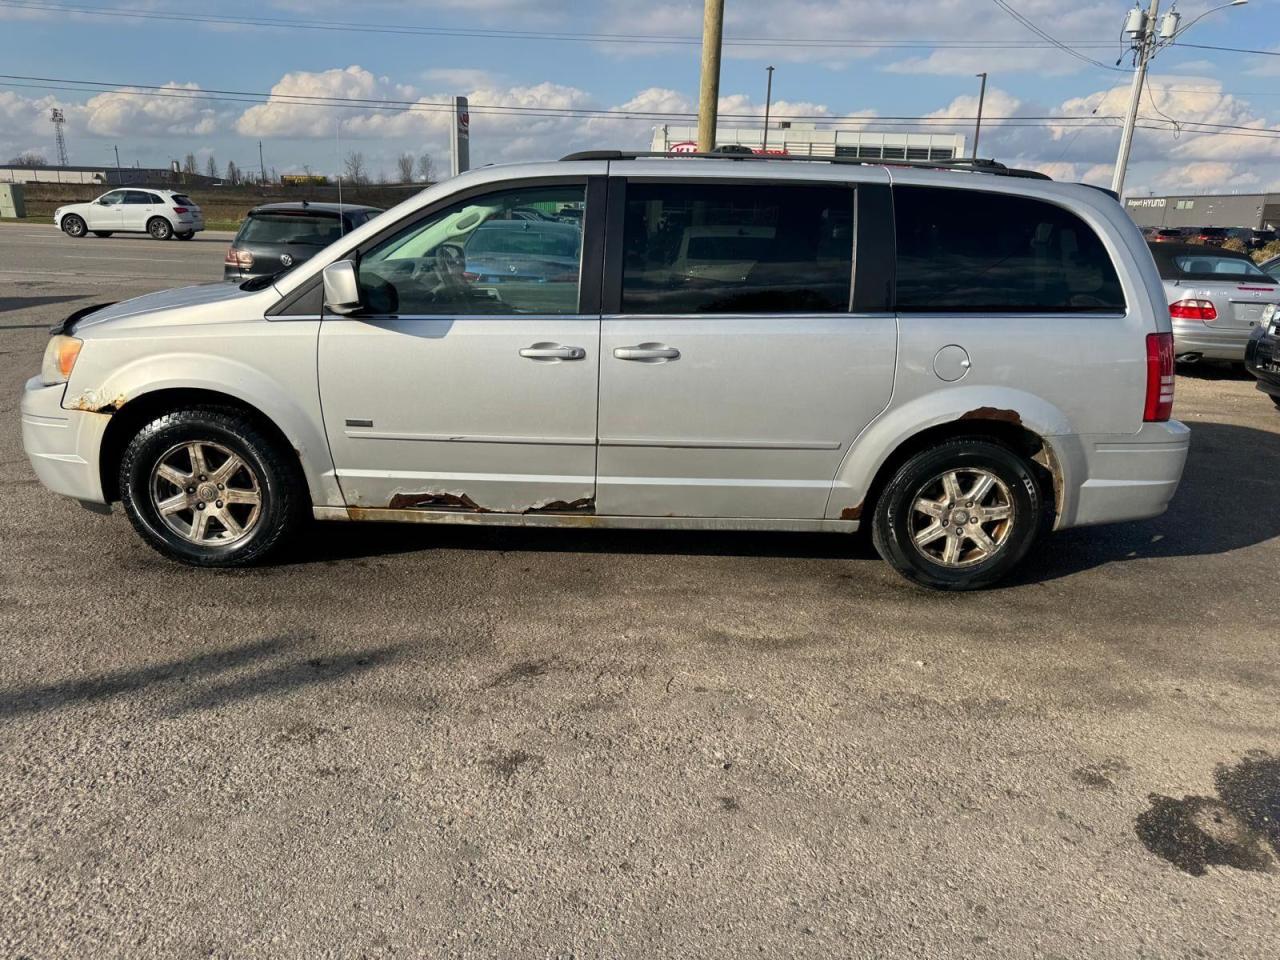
(105, 213)
(469, 382)
(733, 373)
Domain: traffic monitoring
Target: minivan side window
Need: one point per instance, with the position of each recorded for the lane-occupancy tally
(479, 257)
(969, 251)
(730, 248)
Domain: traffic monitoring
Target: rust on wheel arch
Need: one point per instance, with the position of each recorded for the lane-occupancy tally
(994, 413)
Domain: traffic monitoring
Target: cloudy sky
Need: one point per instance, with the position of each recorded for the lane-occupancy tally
(177, 77)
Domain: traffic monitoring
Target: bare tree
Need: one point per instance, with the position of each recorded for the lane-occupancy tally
(404, 166)
(30, 158)
(426, 168)
(381, 177)
(233, 173)
(356, 171)
(211, 168)
(189, 163)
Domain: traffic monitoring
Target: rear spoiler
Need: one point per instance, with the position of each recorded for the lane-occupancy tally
(1107, 190)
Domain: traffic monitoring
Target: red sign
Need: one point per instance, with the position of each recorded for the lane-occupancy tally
(686, 146)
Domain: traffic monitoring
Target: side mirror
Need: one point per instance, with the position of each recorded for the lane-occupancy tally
(341, 288)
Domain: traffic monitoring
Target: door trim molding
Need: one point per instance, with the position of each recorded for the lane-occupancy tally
(700, 444)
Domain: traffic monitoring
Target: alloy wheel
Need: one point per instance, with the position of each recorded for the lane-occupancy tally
(962, 517)
(206, 493)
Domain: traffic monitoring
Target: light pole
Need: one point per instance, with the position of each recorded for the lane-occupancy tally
(1148, 37)
(977, 127)
(768, 99)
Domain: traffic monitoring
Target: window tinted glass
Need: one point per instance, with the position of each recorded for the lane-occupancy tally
(1213, 265)
(313, 231)
(481, 257)
(969, 251)
(692, 248)
(182, 200)
(138, 197)
(116, 196)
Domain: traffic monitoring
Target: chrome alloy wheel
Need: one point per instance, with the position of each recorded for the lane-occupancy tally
(962, 517)
(206, 494)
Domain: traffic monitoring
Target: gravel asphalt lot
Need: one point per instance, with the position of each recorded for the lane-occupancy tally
(417, 742)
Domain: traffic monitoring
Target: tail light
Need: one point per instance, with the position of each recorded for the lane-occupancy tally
(242, 259)
(1159, 406)
(179, 209)
(1193, 310)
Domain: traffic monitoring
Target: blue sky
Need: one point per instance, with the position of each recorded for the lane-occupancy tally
(932, 77)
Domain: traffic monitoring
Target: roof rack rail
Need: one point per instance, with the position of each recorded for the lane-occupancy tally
(993, 167)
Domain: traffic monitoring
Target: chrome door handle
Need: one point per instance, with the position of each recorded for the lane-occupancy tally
(651, 352)
(552, 351)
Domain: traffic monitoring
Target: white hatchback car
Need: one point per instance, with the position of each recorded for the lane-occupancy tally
(959, 358)
(160, 213)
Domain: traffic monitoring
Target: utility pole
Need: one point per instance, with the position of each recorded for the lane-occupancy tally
(977, 127)
(768, 99)
(119, 175)
(262, 165)
(1145, 46)
(709, 92)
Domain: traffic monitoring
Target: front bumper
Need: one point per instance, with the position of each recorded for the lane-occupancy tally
(62, 445)
(1209, 342)
(1262, 359)
(1117, 477)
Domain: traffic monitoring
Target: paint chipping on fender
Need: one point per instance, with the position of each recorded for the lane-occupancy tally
(92, 403)
(994, 413)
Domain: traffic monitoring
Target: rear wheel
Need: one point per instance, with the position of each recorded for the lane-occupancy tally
(206, 486)
(159, 228)
(958, 516)
(185, 235)
(102, 233)
(73, 226)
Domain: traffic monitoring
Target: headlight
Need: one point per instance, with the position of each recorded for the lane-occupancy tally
(59, 359)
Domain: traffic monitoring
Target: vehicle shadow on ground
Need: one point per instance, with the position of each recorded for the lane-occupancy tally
(9, 304)
(281, 664)
(1225, 502)
(1210, 370)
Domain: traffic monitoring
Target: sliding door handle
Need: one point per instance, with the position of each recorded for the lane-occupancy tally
(552, 351)
(647, 352)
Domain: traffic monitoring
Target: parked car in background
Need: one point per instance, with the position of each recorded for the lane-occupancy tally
(1216, 298)
(1209, 236)
(1271, 267)
(160, 213)
(954, 410)
(1168, 235)
(278, 236)
(1251, 238)
(1262, 355)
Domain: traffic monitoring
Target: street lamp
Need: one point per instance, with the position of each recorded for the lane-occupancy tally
(1148, 38)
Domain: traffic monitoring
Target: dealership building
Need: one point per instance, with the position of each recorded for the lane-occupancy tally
(807, 140)
(1261, 211)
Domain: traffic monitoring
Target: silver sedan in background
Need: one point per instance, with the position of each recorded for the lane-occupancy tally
(1216, 299)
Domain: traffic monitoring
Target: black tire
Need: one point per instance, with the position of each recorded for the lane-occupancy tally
(1276, 401)
(185, 235)
(280, 484)
(894, 524)
(74, 226)
(102, 233)
(159, 228)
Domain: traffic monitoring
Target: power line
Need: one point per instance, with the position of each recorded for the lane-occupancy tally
(850, 121)
(1209, 46)
(1057, 43)
(507, 34)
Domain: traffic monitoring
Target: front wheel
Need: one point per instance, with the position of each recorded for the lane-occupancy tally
(1276, 401)
(73, 226)
(958, 516)
(208, 487)
(159, 228)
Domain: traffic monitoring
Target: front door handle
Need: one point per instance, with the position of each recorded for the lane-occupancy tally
(647, 353)
(552, 351)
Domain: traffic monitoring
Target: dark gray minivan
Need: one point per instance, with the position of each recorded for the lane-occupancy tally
(279, 236)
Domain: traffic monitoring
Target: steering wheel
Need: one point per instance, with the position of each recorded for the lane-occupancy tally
(450, 264)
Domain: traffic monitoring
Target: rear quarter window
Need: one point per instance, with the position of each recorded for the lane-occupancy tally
(969, 251)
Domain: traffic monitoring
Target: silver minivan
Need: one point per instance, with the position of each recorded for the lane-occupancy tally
(961, 359)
